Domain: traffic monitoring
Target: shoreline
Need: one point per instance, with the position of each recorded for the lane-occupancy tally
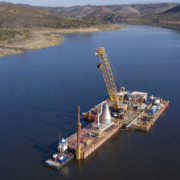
(47, 37)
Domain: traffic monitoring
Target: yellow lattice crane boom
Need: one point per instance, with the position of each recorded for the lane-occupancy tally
(105, 67)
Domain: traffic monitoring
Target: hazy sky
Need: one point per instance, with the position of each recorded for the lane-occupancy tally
(79, 2)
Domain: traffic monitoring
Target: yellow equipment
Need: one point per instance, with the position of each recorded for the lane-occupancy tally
(105, 67)
(99, 134)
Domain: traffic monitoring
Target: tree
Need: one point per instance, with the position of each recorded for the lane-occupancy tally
(85, 18)
(94, 18)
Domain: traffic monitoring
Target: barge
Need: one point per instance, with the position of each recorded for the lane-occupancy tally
(139, 115)
(130, 110)
(85, 141)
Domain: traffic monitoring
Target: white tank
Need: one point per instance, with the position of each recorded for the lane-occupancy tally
(156, 101)
(106, 117)
(151, 98)
(54, 156)
(60, 157)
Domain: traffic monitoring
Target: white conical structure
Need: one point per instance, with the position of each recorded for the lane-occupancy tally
(106, 117)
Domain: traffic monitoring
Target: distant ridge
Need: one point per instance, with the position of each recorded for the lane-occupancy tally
(175, 9)
(74, 10)
(17, 17)
(4, 2)
(125, 9)
(153, 8)
(100, 13)
(146, 13)
(103, 10)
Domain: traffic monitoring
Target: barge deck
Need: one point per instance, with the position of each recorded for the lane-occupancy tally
(134, 117)
(147, 120)
(91, 138)
(102, 126)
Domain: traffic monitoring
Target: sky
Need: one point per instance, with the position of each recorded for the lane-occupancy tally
(67, 3)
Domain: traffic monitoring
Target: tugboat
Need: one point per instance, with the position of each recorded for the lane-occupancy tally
(62, 157)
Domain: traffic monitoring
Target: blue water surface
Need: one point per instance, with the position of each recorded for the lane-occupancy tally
(40, 91)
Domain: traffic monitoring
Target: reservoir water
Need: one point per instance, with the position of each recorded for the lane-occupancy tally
(40, 91)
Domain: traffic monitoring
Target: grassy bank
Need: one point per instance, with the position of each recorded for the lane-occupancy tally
(16, 42)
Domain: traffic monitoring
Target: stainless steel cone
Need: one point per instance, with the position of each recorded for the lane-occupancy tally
(106, 117)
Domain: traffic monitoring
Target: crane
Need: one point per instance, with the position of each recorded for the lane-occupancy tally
(105, 67)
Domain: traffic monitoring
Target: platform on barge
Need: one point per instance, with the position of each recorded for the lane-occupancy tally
(91, 138)
(137, 116)
(147, 120)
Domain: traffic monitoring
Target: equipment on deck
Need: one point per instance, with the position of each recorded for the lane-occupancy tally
(106, 116)
(153, 109)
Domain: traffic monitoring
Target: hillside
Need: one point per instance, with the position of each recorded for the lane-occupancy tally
(129, 13)
(109, 12)
(57, 16)
(20, 16)
(100, 13)
(170, 18)
(79, 11)
(170, 15)
(142, 9)
(145, 9)
(5, 2)
(124, 9)
(23, 28)
(13, 15)
(176, 9)
(115, 14)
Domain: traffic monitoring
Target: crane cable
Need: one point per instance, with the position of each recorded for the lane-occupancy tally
(119, 82)
(115, 75)
(95, 84)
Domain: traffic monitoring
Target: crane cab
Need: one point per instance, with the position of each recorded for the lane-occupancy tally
(117, 113)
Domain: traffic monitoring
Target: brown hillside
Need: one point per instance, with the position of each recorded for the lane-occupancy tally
(20, 10)
(125, 10)
(120, 13)
(14, 16)
(170, 15)
(169, 19)
(101, 13)
(11, 15)
(78, 11)
(174, 10)
(145, 9)
(83, 11)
